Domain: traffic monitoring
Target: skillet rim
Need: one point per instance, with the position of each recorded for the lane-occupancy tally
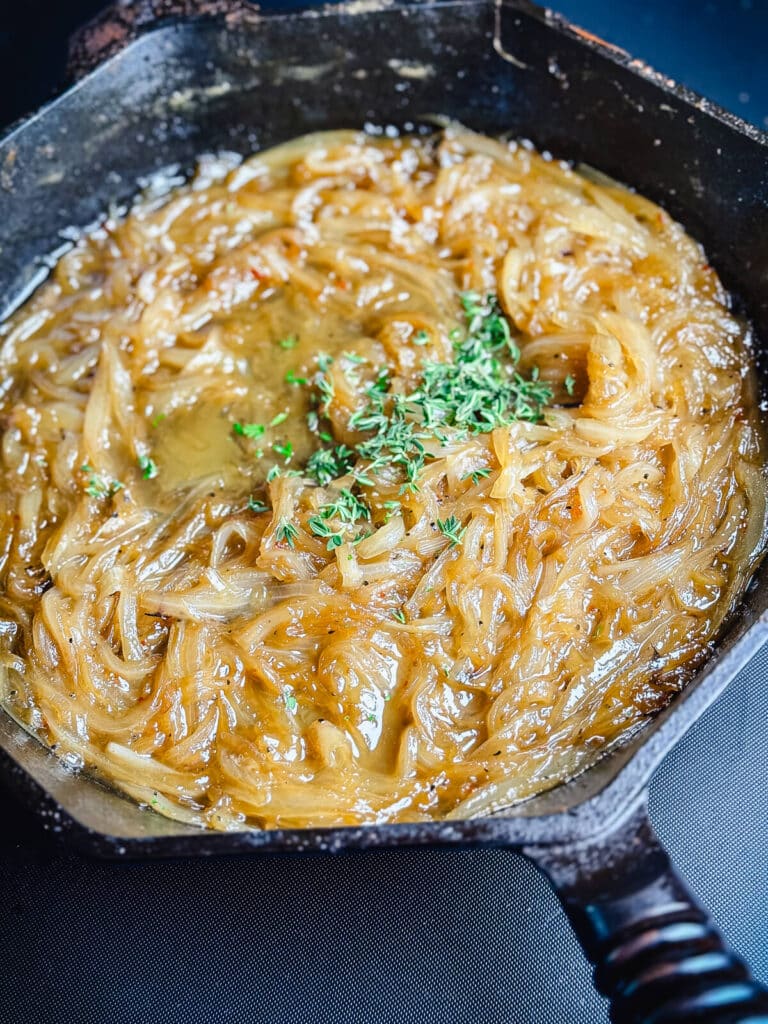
(48, 786)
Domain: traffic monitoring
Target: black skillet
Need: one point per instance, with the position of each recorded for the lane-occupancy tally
(189, 76)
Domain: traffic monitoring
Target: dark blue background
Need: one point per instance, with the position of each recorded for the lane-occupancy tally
(434, 937)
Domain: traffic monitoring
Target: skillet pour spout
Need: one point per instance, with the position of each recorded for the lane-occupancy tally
(161, 81)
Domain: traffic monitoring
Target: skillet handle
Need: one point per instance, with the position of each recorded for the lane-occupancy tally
(657, 956)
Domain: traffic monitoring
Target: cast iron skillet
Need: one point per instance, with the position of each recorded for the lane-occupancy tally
(188, 76)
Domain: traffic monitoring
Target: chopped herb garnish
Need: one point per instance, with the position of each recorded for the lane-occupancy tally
(286, 450)
(292, 378)
(286, 532)
(100, 486)
(290, 342)
(348, 507)
(273, 474)
(391, 508)
(476, 391)
(251, 430)
(399, 614)
(290, 701)
(277, 420)
(371, 717)
(570, 384)
(451, 528)
(148, 467)
(254, 505)
(328, 464)
(477, 475)
(323, 382)
(158, 419)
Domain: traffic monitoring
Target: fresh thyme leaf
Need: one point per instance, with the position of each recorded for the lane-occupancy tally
(348, 508)
(399, 614)
(476, 391)
(290, 701)
(286, 532)
(323, 382)
(391, 508)
(158, 419)
(290, 342)
(451, 528)
(100, 486)
(254, 505)
(148, 467)
(570, 384)
(292, 378)
(328, 464)
(477, 475)
(273, 474)
(277, 420)
(286, 450)
(251, 430)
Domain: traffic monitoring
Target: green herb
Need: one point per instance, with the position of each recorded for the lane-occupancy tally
(480, 390)
(320, 528)
(158, 419)
(323, 382)
(421, 338)
(398, 614)
(451, 528)
(277, 420)
(100, 486)
(273, 474)
(286, 450)
(290, 342)
(477, 475)
(371, 717)
(148, 467)
(290, 701)
(392, 508)
(254, 505)
(291, 378)
(252, 430)
(348, 507)
(570, 384)
(286, 532)
(328, 464)
(475, 392)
